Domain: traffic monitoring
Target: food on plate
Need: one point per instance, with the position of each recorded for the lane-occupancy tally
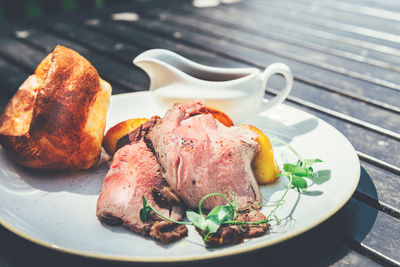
(220, 116)
(264, 166)
(134, 173)
(57, 117)
(186, 159)
(119, 130)
(199, 155)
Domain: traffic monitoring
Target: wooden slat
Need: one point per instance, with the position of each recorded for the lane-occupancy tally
(383, 5)
(333, 38)
(13, 9)
(50, 6)
(106, 44)
(272, 27)
(337, 27)
(378, 15)
(11, 78)
(372, 229)
(118, 51)
(110, 70)
(27, 58)
(297, 62)
(373, 144)
(379, 188)
(250, 38)
(20, 54)
(336, 102)
(329, 11)
(273, 31)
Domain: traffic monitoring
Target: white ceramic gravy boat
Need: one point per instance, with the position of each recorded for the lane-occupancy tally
(239, 92)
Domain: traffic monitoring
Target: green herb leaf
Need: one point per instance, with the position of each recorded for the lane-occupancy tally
(289, 167)
(223, 213)
(299, 183)
(296, 170)
(213, 225)
(144, 212)
(218, 216)
(197, 220)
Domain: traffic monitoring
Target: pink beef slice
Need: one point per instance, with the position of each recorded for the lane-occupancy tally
(199, 155)
(135, 172)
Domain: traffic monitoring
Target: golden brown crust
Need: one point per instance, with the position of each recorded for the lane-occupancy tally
(17, 115)
(43, 68)
(59, 136)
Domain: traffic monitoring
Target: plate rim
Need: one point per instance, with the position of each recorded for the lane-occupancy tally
(214, 254)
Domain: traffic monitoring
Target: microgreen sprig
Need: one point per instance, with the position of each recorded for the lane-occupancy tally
(209, 224)
(296, 174)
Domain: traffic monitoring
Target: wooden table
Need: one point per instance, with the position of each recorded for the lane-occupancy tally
(345, 56)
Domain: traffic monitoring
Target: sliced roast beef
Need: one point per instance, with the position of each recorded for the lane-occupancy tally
(134, 173)
(199, 155)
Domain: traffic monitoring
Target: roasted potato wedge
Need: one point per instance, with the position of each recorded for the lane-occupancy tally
(264, 166)
(221, 117)
(57, 117)
(119, 130)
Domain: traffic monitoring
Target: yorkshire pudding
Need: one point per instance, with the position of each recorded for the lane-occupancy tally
(57, 117)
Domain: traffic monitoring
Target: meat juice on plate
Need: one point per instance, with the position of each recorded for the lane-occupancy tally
(238, 104)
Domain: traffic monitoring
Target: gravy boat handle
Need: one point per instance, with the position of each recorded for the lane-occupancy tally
(284, 70)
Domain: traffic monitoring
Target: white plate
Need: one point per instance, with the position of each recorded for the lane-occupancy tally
(58, 210)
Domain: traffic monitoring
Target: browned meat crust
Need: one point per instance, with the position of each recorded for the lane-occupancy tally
(234, 234)
(168, 232)
(139, 133)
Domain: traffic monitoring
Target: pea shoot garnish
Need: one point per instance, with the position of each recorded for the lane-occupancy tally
(209, 224)
(297, 172)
